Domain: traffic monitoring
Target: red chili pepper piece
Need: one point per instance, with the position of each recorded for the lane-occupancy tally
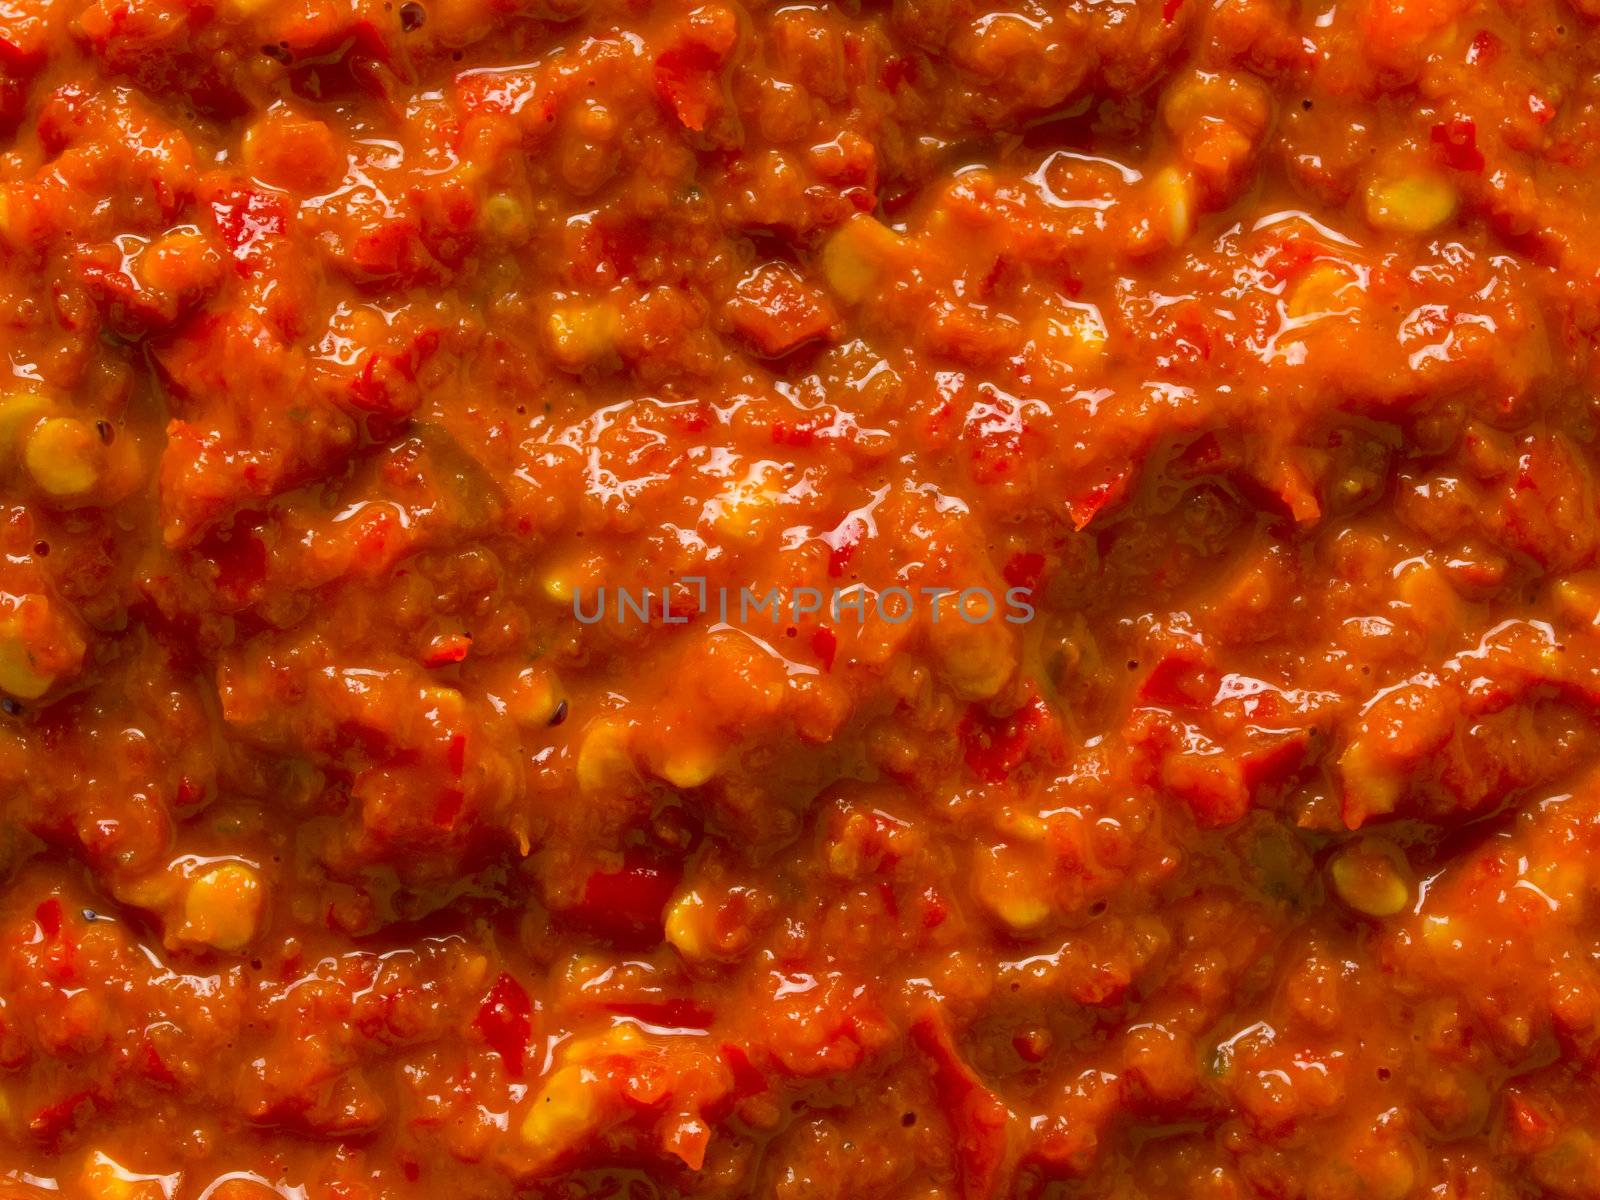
(505, 1019)
(1457, 140)
(977, 1117)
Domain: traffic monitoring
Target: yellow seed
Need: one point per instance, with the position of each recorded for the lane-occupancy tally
(1578, 598)
(603, 759)
(154, 891)
(685, 926)
(741, 511)
(1574, 1155)
(845, 857)
(505, 216)
(442, 707)
(19, 677)
(1020, 826)
(1202, 99)
(976, 660)
(619, 1039)
(1372, 786)
(104, 1178)
(1016, 910)
(881, 387)
(1561, 882)
(690, 766)
(563, 1112)
(1388, 1174)
(223, 907)
(1425, 590)
(534, 697)
(63, 456)
(1441, 934)
(1326, 288)
(557, 584)
(1073, 335)
(472, 970)
(1013, 889)
(1369, 880)
(855, 257)
(1410, 203)
(1086, 327)
(580, 335)
(172, 261)
(1174, 199)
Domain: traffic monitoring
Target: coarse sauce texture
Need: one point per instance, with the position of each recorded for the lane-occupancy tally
(352, 345)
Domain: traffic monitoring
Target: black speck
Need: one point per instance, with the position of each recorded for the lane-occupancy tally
(560, 714)
(1306, 104)
(10, 707)
(1133, 664)
(277, 54)
(105, 430)
(41, 549)
(908, 1119)
(412, 17)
